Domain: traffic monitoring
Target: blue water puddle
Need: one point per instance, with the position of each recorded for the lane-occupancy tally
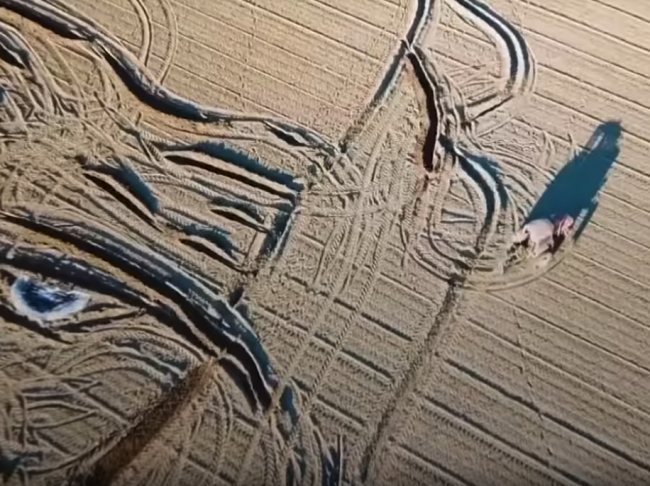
(43, 302)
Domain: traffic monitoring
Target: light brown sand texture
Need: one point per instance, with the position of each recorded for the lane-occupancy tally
(267, 242)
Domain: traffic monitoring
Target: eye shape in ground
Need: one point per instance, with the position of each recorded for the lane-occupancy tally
(45, 302)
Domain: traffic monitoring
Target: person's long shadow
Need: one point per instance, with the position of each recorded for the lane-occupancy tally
(575, 188)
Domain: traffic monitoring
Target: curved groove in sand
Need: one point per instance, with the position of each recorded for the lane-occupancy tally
(213, 321)
(518, 60)
(481, 263)
(137, 76)
(172, 44)
(423, 15)
(147, 30)
(178, 293)
(434, 111)
(450, 259)
(494, 204)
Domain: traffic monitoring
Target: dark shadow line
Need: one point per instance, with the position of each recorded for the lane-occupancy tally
(433, 112)
(575, 188)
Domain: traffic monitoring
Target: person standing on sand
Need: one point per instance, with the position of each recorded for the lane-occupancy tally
(544, 235)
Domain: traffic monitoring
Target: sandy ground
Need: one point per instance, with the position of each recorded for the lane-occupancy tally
(287, 224)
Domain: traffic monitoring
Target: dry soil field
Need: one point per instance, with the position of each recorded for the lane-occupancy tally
(264, 242)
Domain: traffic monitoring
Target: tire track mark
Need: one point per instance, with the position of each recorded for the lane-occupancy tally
(551, 44)
(348, 226)
(433, 110)
(150, 263)
(585, 434)
(243, 348)
(518, 60)
(390, 420)
(146, 26)
(359, 250)
(61, 384)
(54, 100)
(590, 88)
(76, 25)
(350, 79)
(447, 122)
(125, 449)
(172, 42)
(188, 72)
(349, 230)
(424, 13)
(557, 139)
(509, 211)
(348, 238)
(388, 222)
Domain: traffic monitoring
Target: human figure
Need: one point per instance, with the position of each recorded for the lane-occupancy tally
(544, 235)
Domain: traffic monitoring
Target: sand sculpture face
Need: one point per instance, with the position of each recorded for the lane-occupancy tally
(131, 233)
(136, 243)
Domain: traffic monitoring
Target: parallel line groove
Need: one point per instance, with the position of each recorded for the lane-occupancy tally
(307, 29)
(369, 366)
(586, 435)
(434, 465)
(548, 323)
(629, 278)
(622, 10)
(595, 303)
(350, 16)
(540, 359)
(595, 30)
(555, 70)
(501, 443)
(286, 51)
(271, 76)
